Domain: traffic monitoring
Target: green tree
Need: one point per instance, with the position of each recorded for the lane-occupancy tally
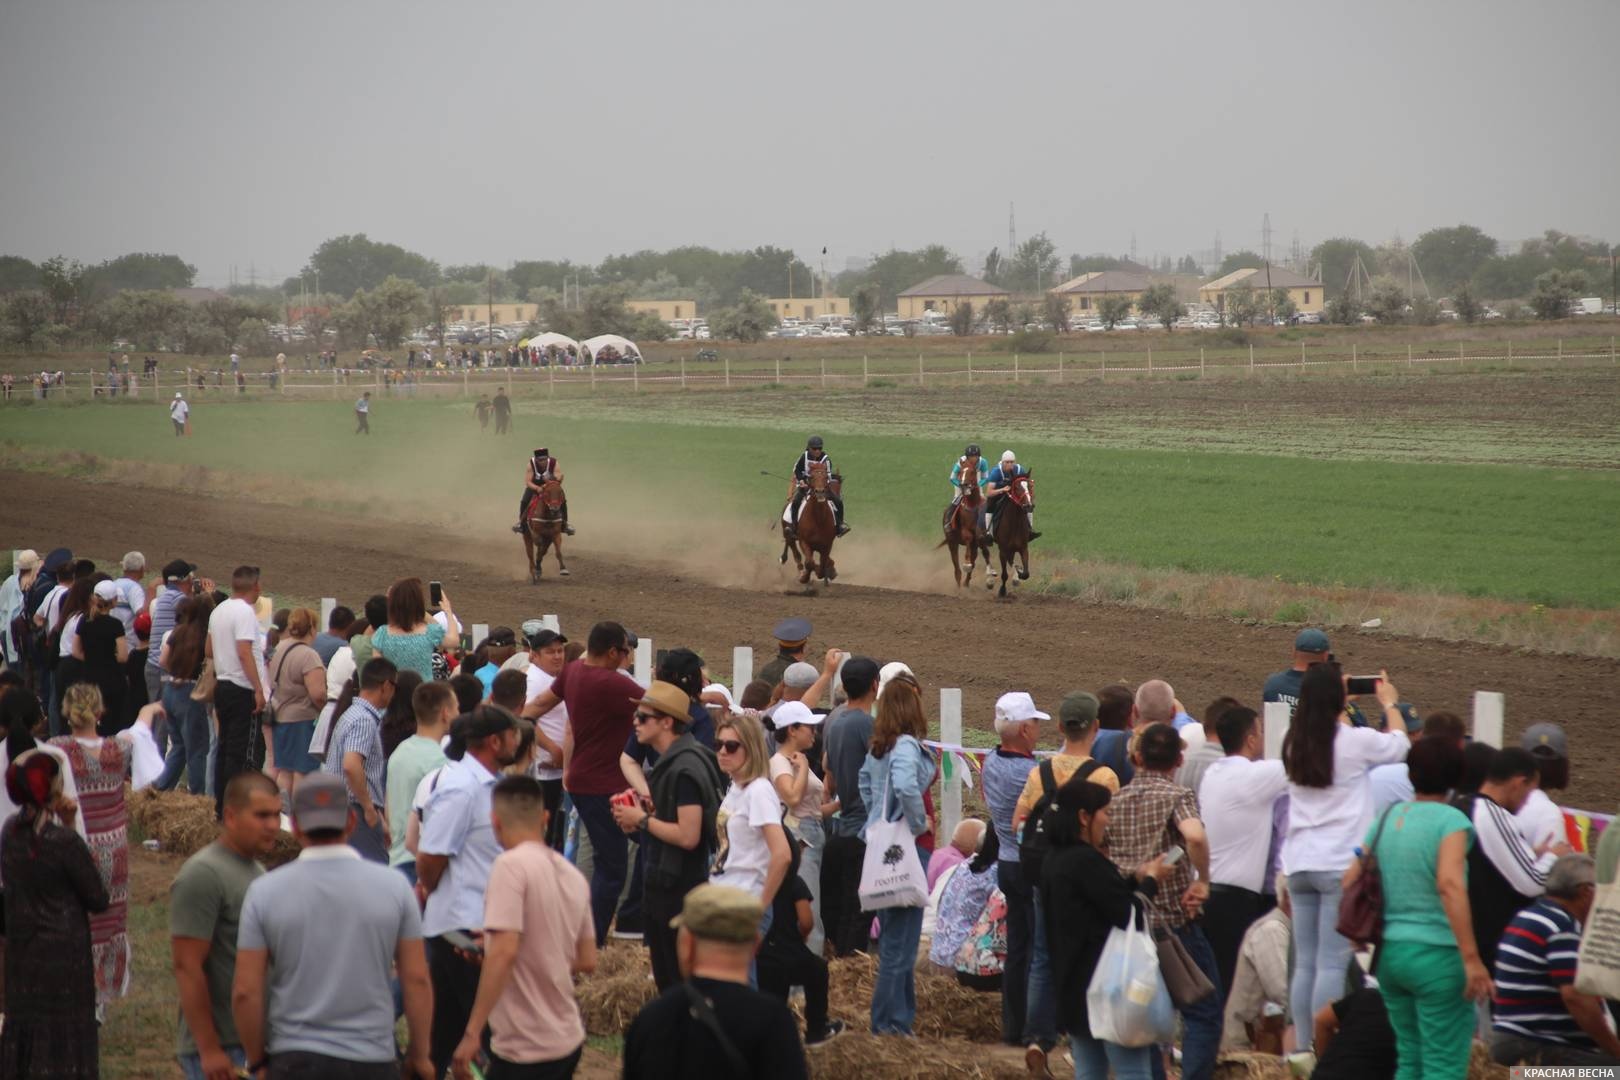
(1058, 311)
(1342, 310)
(895, 271)
(141, 270)
(318, 315)
(604, 310)
(17, 274)
(61, 278)
(347, 264)
(391, 311)
(1242, 306)
(1336, 259)
(998, 313)
(993, 268)
(27, 314)
(151, 318)
(1113, 310)
(1161, 302)
(1463, 303)
(1555, 291)
(1187, 265)
(749, 319)
(1034, 266)
(764, 271)
(1452, 255)
(1387, 301)
(1282, 305)
(962, 319)
(1510, 276)
(227, 313)
(864, 306)
(1240, 260)
(528, 275)
(1425, 310)
(1086, 264)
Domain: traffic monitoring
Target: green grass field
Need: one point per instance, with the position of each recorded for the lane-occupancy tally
(1521, 534)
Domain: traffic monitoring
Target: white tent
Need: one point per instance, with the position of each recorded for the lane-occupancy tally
(624, 346)
(562, 342)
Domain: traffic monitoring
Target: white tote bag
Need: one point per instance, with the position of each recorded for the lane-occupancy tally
(891, 873)
(321, 737)
(1597, 965)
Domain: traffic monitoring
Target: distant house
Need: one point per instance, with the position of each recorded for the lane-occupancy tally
(665, 309)
(1306, 293)
(943, 292)
(1086, 292)
(500, 313)
(809, 308)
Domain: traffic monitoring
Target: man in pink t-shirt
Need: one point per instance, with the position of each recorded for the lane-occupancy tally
(537, 935)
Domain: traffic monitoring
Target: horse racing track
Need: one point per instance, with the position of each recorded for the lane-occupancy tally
(1045, 644)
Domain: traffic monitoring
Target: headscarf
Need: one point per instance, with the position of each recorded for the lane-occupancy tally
(34, 782)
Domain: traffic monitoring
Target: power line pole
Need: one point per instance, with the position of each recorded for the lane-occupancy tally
(1012, 234)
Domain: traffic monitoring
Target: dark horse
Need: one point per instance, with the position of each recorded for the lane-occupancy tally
(543, 529)
(962, 525)
(1012, 529)
(810, 542)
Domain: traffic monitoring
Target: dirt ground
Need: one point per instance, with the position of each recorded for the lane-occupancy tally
(1046, 645)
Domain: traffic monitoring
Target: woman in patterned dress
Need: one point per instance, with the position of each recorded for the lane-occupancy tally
(100, 768)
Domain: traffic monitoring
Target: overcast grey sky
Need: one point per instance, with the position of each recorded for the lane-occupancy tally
(246, 133)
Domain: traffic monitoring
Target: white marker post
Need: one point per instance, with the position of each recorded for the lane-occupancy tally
(480, 632)
(1488, 712)
(950, 733)
(742, 670)
(550, 623)
(644, 661)
(327, 604)
(1276, 725)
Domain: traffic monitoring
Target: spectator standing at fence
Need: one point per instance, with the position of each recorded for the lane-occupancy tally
(1310, 647)
(335, 636)
(298, 679)
(1329, 808)
(1209, 751)
(1006, 771)
(1116, 716)
(205, 907)
(179, 581)
(362, 414)
(355, 755)
(849, 733)
(410, 637)
(236, 645)
(1539, 819)
(548, 652)
(1391, 783)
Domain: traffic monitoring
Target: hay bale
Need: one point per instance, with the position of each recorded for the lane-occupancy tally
(184, 824)
(945, 1008)
(612, 995)
(884, 1057)
(1248, 1065)
(1481, 1067)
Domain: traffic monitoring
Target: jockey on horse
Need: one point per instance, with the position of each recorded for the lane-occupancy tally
(970, 454)
(541, 468)
(814, 452)
(1000, 482)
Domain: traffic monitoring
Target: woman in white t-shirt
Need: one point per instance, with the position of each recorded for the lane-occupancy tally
(1329, 810)
(754, 854)
(802, 792)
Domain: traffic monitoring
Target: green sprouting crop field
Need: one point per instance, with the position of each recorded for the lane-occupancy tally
(1426, 486)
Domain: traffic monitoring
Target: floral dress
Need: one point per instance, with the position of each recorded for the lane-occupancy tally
(100, 768)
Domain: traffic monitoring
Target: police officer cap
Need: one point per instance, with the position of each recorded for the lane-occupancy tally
(792, 630)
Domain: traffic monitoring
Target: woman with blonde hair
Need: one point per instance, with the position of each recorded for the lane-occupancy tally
(411, 638)
(298, 690)
(898, 769)
(753, 846)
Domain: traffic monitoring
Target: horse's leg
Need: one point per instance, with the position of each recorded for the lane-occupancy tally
(528, 552)
(805, 559)
(1006, 562)
(1023, 554)
(829, 569)
(956, 567)
(562, 567)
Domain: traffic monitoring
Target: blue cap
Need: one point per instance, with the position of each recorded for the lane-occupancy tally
(56, 560)
(1312, 641)
(792, 631)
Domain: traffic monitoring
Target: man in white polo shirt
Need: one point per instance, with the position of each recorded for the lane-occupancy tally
(236, 645)
(453, 860)
(1235, 801)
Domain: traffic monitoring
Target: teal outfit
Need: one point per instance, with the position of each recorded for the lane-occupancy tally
(956, 473)
(410, 652)
(1420, 970)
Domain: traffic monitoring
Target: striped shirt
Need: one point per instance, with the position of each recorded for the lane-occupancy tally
(163, 618)
(1536, 958)
(359, 731)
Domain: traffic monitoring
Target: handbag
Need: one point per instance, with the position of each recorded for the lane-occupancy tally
(270, 706)
(1126, 1001)
(204, 688)
(891, 872)
(1597, 964)
(1361, 908)
(1186, 981)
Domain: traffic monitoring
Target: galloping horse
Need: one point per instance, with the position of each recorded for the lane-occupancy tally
(816, 529)
(962, 525)
(1012, 529)
(543, 529)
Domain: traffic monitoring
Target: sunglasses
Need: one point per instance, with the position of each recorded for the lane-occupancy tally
(730, 746)
(643, 717)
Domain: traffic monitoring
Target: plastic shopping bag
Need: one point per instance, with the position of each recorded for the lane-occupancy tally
(1127, 1000)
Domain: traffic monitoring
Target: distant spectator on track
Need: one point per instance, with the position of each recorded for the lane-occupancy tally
(180, 414)
(362, 414)
(502, 407)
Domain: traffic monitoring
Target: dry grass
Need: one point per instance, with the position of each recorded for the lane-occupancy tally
(945, 1008)
(883, 1057)
(183, 824)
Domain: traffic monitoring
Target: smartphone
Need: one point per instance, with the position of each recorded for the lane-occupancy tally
(1361, 684)
(462, 941)
(436, 592)
(626, 798)
(1173, 856)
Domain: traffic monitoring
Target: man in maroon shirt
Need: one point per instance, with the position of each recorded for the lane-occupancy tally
(601, 712)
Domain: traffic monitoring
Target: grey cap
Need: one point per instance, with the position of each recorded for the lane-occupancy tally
(1545, 740)
(1078, 712)
(800, 676)
(321, 802)
(1311, 641)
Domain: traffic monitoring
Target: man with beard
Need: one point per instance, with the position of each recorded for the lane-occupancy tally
(453, 860)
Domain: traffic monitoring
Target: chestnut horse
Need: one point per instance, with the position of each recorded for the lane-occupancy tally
(543, 530)
(962, 526)
(1012, 530)
(816, 529)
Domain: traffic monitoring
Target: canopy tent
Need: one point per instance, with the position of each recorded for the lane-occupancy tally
(561, 342)
(621, 345)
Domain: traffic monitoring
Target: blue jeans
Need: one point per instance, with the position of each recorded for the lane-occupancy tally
(1092, 1058)
(753, 961)
(894, 996)
(1201, 1023)
(1040, 1017)
(1321, 953)
(191, 1064)
(188, 739)
(610, 856)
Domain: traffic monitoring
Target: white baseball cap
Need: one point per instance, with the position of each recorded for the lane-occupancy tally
(177, 395)
(793, 712)
(1008, 455)
(106, 590)
(1017, 707)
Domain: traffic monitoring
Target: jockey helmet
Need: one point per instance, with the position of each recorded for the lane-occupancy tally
(972, 450)
(1008, 455)
(542, 452)
(814, 443)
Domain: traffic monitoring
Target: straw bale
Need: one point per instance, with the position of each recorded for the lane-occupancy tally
(945, 1008)
(884, 1057)
(1481, 1067)
(183, 824)
(1247, 1065)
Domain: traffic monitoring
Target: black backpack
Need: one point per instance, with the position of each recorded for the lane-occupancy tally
(1036, 838)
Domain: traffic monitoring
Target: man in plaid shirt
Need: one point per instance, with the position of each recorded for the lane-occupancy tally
(356, 756)
(1149, 816)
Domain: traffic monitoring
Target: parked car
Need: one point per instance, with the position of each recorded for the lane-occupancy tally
(706, 354)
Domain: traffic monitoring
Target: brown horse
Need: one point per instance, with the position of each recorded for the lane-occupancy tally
(543, 530)
(810, 542)
(1012, 530)
(962, 525)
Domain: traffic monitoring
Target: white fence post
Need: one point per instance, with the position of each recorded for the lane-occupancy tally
(644, 661)
(683, 371)
(1276, 726)
(866, 371)
(327, 604)
(742, 670)
(480, 632)
(824, 373)
(1488, 711)
(728, 372)
(950, 733)
(919, 369)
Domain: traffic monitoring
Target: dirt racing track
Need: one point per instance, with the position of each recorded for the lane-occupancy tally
(1046, 645)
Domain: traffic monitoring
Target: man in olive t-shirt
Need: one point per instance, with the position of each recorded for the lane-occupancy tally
(205, 905)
